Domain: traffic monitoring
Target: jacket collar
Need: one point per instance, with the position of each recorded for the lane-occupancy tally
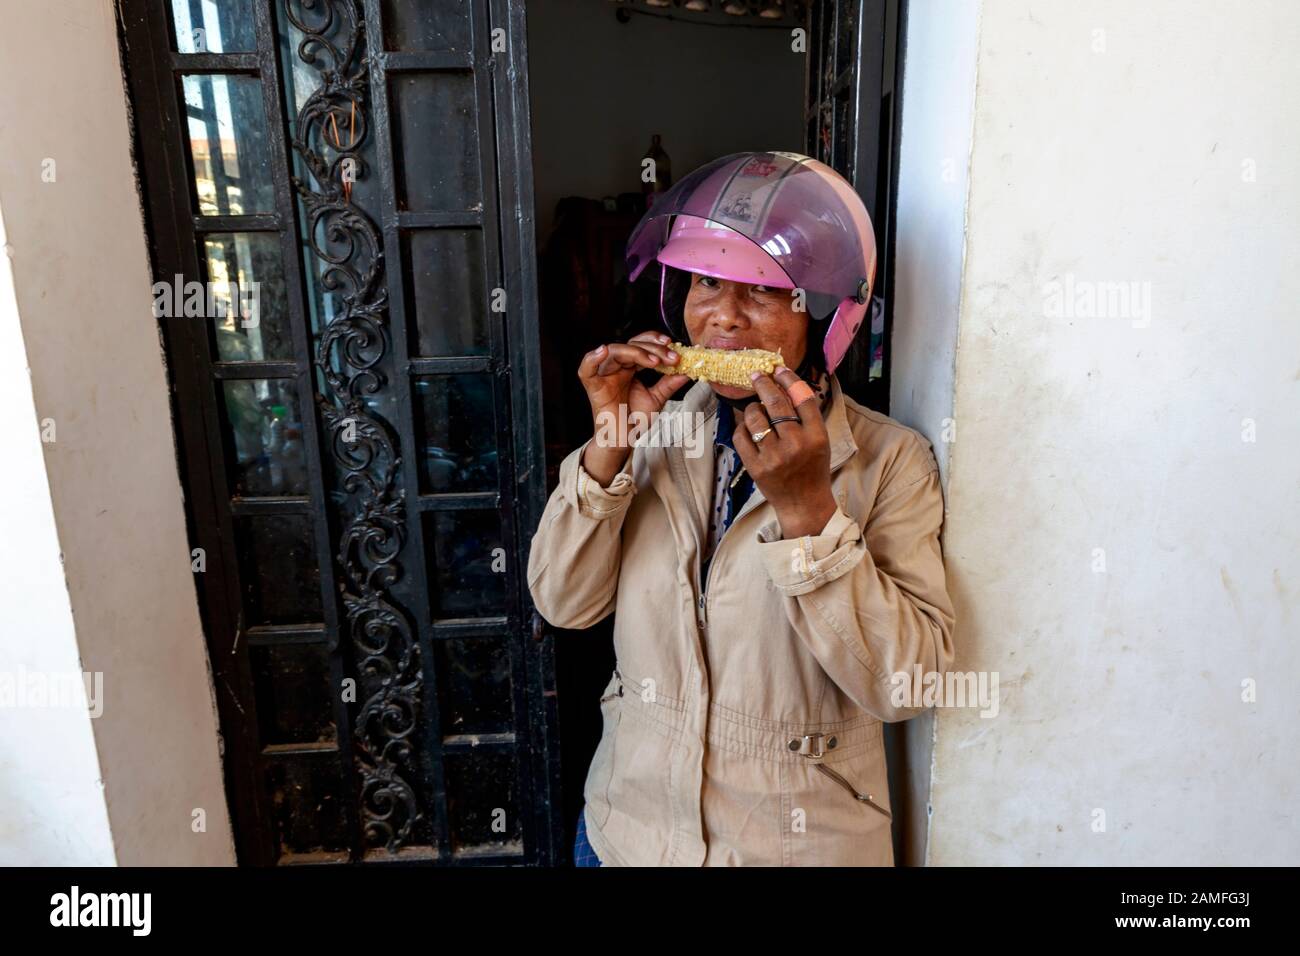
(700, 408)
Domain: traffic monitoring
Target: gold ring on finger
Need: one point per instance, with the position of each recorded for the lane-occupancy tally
(759, 436)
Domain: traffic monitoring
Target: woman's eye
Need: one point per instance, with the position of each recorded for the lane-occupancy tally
(763, 288)
(708, 281)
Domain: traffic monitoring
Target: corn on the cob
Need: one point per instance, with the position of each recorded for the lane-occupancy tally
(723, 366)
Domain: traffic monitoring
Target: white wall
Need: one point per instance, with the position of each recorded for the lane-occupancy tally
(1126, 156)
(600, 89)
(938, 99)
(82, 285)
(934, 154)
(50, 787)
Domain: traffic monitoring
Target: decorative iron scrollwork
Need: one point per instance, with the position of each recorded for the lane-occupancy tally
(364, 449)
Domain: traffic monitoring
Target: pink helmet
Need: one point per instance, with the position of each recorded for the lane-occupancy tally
(771, 218)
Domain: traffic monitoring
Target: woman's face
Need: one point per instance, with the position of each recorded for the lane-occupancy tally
(722, 314)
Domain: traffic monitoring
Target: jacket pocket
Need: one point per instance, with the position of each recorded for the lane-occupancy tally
(867, 798)
(601, 771)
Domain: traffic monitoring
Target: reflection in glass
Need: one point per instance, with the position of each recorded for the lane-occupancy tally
(456, 422)
(278, 570)
(466, 564)
(228, 145)
(265, 430)
(444, 272)
(214, 26)
(243, 271)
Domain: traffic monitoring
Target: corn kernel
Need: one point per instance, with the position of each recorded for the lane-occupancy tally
(722, 366)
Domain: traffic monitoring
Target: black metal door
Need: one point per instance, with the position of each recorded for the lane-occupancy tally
(850, 122)
(360, 442)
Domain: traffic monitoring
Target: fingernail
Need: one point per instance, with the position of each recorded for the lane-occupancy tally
(753, 376)
(672, 356)
(782, 368)
(600, 350)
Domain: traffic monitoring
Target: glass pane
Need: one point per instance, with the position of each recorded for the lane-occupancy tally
(846, 29)
(483, 803)
(264, 431)
(228, 145)
(441, 26)
(278, 570)
(466, 563)
(444, 273)
(816, 42)
(877, 339)
(305, 804)
(437, 141)
(474, 686)
(291, 684)
(842, 155)
(824, 143)
(246, 280)
(214, 26)
(456, 422)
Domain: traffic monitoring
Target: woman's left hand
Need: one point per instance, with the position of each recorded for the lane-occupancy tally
(791, 465)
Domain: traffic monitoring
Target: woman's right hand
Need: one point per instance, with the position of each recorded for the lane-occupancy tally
(608, 375)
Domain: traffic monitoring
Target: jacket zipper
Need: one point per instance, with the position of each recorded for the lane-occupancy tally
(704, 588)
(862, 797)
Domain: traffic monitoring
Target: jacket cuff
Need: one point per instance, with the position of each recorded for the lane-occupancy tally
(799, 565)
(587, 495)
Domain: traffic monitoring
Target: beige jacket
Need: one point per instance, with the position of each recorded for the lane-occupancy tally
(742, 724)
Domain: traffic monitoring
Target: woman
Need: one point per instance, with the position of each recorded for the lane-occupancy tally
(769, 589)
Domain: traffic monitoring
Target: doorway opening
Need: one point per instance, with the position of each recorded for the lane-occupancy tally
(362, 449)
(612, 84)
